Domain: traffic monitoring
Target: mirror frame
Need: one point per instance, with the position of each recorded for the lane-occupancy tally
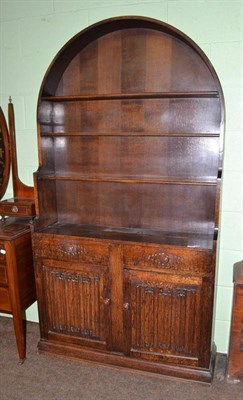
(4, 146)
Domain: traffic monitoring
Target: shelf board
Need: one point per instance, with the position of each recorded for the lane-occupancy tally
(130, 179)
(139, 134)
(128, 96)
(141, 235)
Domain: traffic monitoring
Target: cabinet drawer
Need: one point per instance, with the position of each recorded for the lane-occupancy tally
(166, 258)
(5, 304)
(75, 250)
(3, 274)
(17, 209)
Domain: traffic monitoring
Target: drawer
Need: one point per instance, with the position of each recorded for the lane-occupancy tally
(3, 274)
(71, 249)
(17, 209)
(167, 258)
(5, 304)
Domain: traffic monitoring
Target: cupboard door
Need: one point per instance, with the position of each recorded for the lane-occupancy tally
(162, 317)
(75, 302)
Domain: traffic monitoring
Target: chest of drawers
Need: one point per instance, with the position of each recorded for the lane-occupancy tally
(17, 285)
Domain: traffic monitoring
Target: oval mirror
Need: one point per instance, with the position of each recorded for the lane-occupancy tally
(4, 155)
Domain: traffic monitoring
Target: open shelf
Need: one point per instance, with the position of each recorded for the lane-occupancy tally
(146, 116)
(127, 96)
(129, 134)
(130, 179)
(139, 235)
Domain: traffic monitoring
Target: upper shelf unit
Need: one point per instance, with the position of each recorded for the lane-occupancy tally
(130, 76)
(130, 119)
(133, 55)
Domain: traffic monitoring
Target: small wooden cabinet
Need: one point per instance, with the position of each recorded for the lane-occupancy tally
(17, 282)
(130, 124)
(235, 357)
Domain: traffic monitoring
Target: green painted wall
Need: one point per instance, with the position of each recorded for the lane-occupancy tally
(32, 32)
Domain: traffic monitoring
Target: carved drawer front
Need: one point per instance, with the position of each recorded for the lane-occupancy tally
(73, 249)
(77, 303)
(5, 304)
(162, 317)
(166, 258)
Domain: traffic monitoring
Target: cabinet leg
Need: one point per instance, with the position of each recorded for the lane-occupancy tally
(14, 293)
(20, 333)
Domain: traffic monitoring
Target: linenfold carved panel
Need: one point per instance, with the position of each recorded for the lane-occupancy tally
(171, 319)
(163, 260)
(74, 277)
(74, 303)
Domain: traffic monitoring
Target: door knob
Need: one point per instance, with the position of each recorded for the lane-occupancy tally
(107, 301)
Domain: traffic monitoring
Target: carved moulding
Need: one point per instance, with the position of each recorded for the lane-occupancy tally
(73, 277)
(163, 260)
(166, 290)
(158, 259)
(71, 251)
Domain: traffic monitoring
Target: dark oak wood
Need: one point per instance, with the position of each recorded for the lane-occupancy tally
(235, 357)
(139, 116)
(130, 125)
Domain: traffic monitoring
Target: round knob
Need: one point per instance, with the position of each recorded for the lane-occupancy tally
(126, 306)
(107, 301)
(15, 209)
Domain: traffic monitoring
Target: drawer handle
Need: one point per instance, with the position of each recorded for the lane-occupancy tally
(15, 209)
(2, 251)
(126, 306)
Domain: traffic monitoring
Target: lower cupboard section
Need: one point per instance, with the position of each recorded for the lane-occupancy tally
(157, 320)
